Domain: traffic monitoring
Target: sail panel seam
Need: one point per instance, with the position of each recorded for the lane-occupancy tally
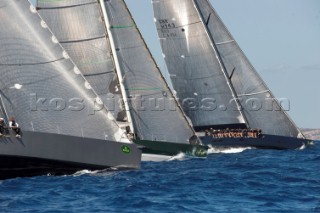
(31, 64)
(62, 7)
(82, 40)
(96, 74)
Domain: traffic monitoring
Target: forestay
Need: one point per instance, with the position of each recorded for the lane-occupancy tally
(40, 85)
(80, 28)
(196, 72)
(155, 113)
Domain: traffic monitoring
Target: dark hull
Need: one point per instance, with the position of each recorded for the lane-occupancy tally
(265, 142)
(42, 153)
(171, 149)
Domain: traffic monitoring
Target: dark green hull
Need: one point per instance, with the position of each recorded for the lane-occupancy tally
(171, 149)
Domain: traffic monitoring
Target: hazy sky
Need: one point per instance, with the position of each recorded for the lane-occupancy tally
(281, 39)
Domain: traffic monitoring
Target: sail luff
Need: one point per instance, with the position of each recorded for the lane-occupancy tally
(116, 61)
(223, 68)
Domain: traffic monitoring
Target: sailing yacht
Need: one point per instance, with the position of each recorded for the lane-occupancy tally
(114, 58)
(55, 106)
(217, 86)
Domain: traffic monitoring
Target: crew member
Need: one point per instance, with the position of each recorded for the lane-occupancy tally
(15, 126)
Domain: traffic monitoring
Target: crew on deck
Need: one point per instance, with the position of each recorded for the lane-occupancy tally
(234, 133)
(15, 126)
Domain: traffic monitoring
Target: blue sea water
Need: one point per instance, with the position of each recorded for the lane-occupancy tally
(247, 181)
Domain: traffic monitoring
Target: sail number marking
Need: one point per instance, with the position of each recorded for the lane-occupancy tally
(166, 25)
(167, 28)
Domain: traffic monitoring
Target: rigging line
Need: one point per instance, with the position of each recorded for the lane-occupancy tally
(61, 7)
(82, 40)
(189, 24)
(31, 64)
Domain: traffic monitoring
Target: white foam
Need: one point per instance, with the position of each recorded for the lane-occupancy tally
(84, 172)
(105, 172)
(229, 150)
(180, 156)
(302, 147)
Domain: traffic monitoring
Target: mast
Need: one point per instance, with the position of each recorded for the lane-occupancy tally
(223, 68)
(117, 65)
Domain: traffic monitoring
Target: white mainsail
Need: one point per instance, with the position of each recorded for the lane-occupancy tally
(155, 113)
(40, 85)
(259, 107)
(196, 71)
(85, 39)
